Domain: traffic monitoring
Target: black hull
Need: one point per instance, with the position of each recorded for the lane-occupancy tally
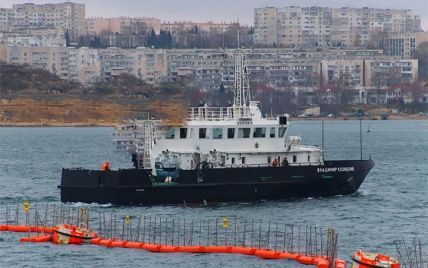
(135, 187)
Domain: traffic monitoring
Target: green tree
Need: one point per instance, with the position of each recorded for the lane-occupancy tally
(152, 39)
(422, 56)
(67, 38)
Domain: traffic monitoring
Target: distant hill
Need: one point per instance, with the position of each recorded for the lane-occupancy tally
(36, 97)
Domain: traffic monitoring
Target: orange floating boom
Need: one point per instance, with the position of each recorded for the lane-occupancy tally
(318, 261)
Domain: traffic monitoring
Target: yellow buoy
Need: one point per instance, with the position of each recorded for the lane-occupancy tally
(225, 222)
(26, 206)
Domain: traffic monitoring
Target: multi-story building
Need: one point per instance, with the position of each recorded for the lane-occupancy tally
(316, 26)
(286, 69)
(121, 25)
(289, 28)
(34, 38)
(67, 17)
(52, 59)
(266, 26)
(206, 27)
(404, 45)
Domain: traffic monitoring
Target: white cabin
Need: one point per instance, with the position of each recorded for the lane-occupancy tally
(232, 136)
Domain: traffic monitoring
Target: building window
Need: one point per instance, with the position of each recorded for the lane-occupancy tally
(170, 133)
(243, 160)
(244, 132)
(217, 133)
(281, 132)
(309, 158)
(269, 159)
(230, 133)
(202, 133)
(183, 133)
(259, 132)
(272, 132)
(294, 158)
(233, 160)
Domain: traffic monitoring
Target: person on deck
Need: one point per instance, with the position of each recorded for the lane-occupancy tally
(285, 162)
(275, 162)
(105, 166)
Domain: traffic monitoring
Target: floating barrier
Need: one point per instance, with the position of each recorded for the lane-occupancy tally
(318, 261)
(25, 229)
(310, 245)
(69, 234)
(36, 239)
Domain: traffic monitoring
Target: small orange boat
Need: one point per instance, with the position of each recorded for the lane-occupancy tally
(70, 234)
(373, 260)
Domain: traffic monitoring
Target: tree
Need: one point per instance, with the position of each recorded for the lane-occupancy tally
(81, 41)
(152, 39)
(422, 55)
(378, 40)
(169, 39)
(67, 38)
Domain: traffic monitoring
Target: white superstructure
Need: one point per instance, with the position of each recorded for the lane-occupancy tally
(238, 135)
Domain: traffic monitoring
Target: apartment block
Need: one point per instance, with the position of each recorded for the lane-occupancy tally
(404, 45)
(34, 38)
(317, 26)
(65, 16)
(121, 25)
(280, 68)
(266, 26)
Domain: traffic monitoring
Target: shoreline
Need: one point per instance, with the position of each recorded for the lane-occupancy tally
(112, 124)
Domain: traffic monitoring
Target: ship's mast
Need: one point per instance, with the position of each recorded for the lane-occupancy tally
(242, 95)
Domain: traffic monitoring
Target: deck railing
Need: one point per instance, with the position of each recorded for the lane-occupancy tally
(218, 113)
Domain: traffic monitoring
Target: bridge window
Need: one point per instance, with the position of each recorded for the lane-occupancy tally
(202, 133)
(259, 132)
(217, 133)
(294, 158)
(243, 160)
(170, 133)
(233, 161)
(183, 133)
(309, 158)
(281, 132)
(230, 133)
(244, 132)
(272, 132)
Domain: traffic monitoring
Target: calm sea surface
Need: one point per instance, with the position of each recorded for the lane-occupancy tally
(391, 204)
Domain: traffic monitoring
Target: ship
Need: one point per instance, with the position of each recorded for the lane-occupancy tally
(217, 154)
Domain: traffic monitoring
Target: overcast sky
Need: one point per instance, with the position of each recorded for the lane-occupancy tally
(220, 10)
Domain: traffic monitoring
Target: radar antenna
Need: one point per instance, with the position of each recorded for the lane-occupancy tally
(242, 94)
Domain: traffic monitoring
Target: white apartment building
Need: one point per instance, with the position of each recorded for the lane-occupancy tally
(404, 45)
(316, 26)
(65, 16)
(303, 70)
(265, 26)
(34, 38)
(207, 27)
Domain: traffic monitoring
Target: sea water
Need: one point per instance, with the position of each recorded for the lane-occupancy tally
(392, 203)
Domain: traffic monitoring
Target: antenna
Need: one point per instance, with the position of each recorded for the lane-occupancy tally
(242, 95)
(322, 138)
(361, 141)
(238, 33)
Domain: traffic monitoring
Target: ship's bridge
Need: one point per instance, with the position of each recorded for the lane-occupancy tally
(231, 113)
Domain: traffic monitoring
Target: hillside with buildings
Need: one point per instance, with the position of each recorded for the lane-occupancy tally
(296, 56)
(36, 97)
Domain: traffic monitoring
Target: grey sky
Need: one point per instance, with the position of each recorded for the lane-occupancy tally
(220, 10)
